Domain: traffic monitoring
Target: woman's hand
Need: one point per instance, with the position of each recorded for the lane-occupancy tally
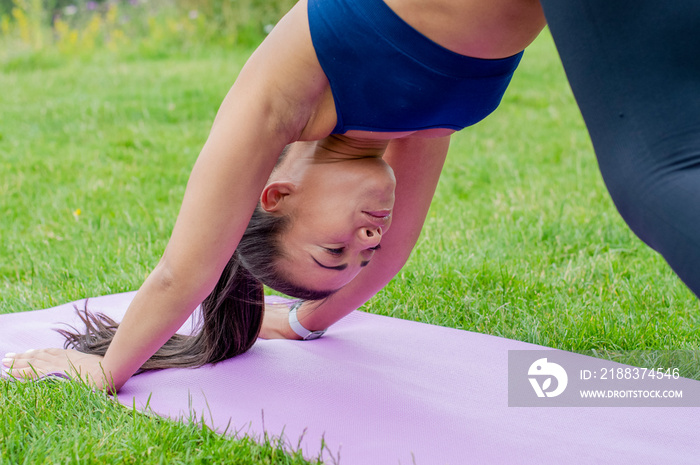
(34, 364)
(275, 323)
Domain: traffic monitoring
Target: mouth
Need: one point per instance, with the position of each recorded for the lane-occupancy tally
(379, 218)
(379, 214)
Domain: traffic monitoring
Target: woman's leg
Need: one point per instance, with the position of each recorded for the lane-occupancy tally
(634, 67)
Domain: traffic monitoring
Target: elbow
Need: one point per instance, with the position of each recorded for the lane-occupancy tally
(184, 282)
(400, 254)
(397, 263)
(392, 262)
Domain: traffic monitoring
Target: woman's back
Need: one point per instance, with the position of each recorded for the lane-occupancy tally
(477, 28)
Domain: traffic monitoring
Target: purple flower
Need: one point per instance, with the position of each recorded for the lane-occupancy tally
(91, 6)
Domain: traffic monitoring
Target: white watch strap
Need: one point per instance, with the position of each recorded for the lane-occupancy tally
(298, 328)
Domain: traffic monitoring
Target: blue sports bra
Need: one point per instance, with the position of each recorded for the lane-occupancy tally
(386, 76)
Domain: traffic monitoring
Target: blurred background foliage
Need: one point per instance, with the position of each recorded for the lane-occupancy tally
(41, 32)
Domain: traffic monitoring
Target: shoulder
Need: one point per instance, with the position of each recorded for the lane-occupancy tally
(286, 78)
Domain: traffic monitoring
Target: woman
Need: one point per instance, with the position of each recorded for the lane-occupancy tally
(364, 94)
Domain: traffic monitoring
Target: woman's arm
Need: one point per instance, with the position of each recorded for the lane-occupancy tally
(417, 163)
(267, 107)
(270, 105)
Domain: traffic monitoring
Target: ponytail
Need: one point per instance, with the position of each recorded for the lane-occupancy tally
(232, 314)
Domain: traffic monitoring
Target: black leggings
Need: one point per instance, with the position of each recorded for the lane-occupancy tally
(634, 67)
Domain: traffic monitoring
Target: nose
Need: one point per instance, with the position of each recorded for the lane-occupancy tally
(370, 236)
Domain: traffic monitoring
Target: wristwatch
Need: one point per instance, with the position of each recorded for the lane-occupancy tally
(297, 327)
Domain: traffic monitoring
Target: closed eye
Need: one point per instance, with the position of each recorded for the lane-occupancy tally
(339, 250)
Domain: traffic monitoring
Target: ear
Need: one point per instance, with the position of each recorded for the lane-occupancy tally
(274, 194)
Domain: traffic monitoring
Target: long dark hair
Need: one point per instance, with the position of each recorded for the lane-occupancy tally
(231, 316)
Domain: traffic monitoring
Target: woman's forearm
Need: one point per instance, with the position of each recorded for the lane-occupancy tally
(159, 309)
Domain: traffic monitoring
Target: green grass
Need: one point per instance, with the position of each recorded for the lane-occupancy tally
(522, 240)
(55, 422)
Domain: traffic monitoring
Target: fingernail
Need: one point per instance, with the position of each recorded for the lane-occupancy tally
(7, 360)
(10, 354)
(30, 351)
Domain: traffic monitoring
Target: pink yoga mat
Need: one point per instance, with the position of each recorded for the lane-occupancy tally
(381, 390)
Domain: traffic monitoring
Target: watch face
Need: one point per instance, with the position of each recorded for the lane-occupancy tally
(314, 335)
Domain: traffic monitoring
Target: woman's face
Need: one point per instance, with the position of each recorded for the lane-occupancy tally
(339, 212)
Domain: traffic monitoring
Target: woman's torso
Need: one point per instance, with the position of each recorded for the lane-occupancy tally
(482, 29)
(488, 29)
